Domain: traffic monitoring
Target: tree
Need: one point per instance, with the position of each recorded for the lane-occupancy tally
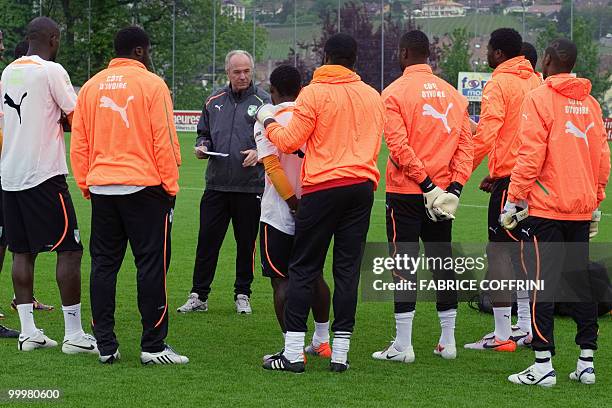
(193, 60)
(455, 55)
(588, 62)
(13, 16)
(546, 36)
(356, 21)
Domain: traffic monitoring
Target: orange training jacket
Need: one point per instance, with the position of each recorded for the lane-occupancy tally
(497, 133)
(123, 130)
(341, 120)
(564, 160)
(428, 132)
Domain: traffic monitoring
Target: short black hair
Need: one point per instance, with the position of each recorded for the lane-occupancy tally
(563, 53)
(417, 42)
(129, 38)
(529, 51)
(21, 49)
(287, 80)
(41, 28)
(341, 49)
(508, 41)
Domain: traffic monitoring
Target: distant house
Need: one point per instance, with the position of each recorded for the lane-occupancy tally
(546, 10)
(481, 6)
(440, 8)
(234, 9)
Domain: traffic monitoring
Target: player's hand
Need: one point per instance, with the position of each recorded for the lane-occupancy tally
(64, 122)
(513, 213)
(594, 227)
(294, 203)
(486, 184)
(200, 152)
(250, 159)
(430, 193)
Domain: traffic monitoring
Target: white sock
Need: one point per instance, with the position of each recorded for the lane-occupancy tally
(403, 330)
(340, 348)
(72, 321)
(503, 324)
(26, 317)
(447, 324)
(585, 360)
(544, 365)
(294, 346)
(523, 310)
(321, 334)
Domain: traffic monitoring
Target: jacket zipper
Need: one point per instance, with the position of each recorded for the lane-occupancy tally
(230, 141)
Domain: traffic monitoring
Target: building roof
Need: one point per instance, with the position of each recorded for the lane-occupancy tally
(544, 9)
(447, 3)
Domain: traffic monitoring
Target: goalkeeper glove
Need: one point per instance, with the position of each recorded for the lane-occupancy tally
(264, 113)
(445, 206)
(513, 213)
(430, 193)
(594, 227)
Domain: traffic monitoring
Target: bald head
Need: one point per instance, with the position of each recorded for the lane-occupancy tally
(559, 57)
(43, 34)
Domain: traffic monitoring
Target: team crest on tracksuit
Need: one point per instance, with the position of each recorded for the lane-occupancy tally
(77, 236)
(252, 110)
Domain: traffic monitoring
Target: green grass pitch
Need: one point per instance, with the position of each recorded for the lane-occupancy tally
(225, 349)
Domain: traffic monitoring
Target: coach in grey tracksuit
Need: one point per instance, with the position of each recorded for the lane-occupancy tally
(234, 184)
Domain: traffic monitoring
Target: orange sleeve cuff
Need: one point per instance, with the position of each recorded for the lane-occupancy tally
(277, 176)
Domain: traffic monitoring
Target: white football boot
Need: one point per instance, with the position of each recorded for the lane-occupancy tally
(193, 304)
(83, 343)
(35, 341)
(392, 354)
(166, 356)
(531, 376)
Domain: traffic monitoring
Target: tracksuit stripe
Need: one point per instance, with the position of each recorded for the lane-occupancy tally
(65, 223)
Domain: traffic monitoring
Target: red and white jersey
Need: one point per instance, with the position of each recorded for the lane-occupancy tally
(274, 210)
(33, 93)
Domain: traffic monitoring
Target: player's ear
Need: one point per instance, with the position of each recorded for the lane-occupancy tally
(498, 54)
(138, 52)
(54, 40)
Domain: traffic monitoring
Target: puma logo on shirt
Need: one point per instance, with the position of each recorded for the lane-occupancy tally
(106, 102)
(573, 129)
(9, 102)
(429, 110)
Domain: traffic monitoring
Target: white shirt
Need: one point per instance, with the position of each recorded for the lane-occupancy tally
(115, 189)
(33, 94)
(274, 210)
